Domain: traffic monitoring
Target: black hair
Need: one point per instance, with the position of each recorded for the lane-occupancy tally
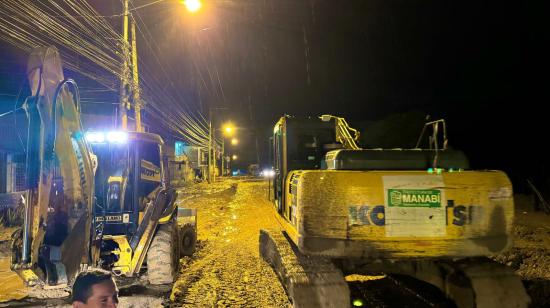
(82, 287)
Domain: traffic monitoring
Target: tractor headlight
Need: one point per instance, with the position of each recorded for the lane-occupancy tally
(109, 137)
(117, 137)
(95, 137)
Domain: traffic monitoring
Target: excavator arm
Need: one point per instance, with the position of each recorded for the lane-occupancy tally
(55, 239)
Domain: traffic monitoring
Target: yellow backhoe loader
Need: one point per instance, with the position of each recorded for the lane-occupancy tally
(93, 199)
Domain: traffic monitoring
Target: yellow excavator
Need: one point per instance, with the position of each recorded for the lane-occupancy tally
(93, 199)
(419, 212)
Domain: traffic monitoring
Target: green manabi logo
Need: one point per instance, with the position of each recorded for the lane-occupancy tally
(414, 197)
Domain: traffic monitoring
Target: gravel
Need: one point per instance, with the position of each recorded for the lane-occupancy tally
(226, 270)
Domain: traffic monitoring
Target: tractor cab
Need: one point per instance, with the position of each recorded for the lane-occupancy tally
(136, 220)
(129, 174)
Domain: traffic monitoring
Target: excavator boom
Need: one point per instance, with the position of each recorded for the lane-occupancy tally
(55, 239)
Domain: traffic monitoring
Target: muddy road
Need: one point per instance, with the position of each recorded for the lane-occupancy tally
(227, 269)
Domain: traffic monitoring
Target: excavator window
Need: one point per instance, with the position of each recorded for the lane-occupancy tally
(306, 149)
(278, 179)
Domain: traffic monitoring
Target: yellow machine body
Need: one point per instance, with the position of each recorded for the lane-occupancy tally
(419, 212)
(124, 265)
(129, 261)
(399, 214)
(93, 199)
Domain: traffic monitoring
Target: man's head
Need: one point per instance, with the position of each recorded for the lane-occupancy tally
(95, 289)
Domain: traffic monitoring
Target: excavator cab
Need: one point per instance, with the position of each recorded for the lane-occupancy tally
(298, 143)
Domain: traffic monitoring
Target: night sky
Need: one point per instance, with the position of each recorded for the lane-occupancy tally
(481, 65)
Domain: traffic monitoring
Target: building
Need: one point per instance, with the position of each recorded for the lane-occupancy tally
(12, 153)
(12, 160)
(187, 164)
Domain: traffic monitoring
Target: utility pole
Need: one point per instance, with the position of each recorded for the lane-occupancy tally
(255, 129)
(209, 145)
(212, 163)
(123, 105)
(214, 158)
(223, 154)
(136, 91)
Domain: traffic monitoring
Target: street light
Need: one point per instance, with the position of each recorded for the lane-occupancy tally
(211, 138)
(234, 141)
(228, 129)
(234, 157)
(129, 79)
(192, 5)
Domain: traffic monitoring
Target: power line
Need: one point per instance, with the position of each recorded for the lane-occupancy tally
(91, 47)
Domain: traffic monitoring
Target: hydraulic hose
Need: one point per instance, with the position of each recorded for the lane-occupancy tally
(76, 98)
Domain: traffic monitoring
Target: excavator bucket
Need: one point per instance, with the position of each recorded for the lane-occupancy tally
(54, 241)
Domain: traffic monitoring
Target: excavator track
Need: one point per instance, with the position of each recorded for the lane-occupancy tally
(308, 281)
(312, 281)
(483, 283)
(469, 282)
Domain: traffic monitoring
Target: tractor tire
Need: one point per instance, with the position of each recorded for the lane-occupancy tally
(188, 240)
(163, 255)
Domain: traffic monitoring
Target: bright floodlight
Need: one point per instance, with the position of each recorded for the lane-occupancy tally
(117, 137)
(192, 5)
(268, 173)
(234, 141)
(234, 157)
(95, 137)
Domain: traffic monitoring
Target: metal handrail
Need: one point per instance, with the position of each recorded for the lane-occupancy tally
(434, 145)
(343, 132)
(435, 131)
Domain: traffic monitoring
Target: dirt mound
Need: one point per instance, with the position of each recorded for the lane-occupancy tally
(532, 263)
(530, 255)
